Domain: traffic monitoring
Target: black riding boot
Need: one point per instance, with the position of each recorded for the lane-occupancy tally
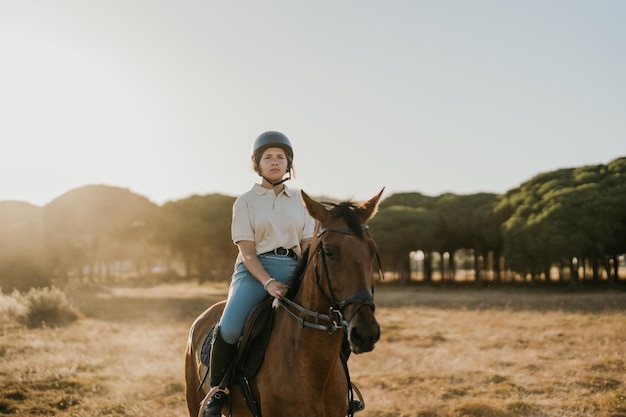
(355, 405)
(222, 355)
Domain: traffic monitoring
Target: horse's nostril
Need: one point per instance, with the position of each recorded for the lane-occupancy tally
(354, 337)
(363, 341)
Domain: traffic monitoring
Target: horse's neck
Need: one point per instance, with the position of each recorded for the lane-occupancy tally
(321, 343)
(312, 300)
(302, 364)
(302, 368)
(313, 355)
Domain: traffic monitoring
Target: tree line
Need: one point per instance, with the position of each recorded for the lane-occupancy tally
(564, 225)
(100, 233)
(567, 224)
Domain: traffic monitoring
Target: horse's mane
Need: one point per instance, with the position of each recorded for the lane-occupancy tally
(298, 274)
(347, 210)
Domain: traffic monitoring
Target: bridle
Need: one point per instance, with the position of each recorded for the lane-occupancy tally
(335, 316)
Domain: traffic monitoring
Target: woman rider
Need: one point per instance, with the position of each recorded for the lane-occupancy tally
(271, 228)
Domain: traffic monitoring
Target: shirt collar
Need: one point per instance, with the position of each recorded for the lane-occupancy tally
(260, 190)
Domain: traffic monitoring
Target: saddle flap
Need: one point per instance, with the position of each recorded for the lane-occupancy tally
(255, 338)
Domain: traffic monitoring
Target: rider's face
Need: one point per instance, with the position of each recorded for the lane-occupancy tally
(273, 164)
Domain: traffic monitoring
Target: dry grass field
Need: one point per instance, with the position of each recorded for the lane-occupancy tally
(443, 353)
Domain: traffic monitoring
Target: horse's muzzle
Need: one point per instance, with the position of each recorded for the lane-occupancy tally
(363, 334)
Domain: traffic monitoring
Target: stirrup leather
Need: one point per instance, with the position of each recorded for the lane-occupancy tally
(356, 405)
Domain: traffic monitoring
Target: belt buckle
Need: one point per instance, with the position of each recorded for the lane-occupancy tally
(281, 252)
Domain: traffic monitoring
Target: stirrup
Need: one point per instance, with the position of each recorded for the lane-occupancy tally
(355, 406)
(216, 401)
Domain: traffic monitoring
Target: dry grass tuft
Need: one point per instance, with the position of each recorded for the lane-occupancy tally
(614, 404)
(609, 365)
(521, 408)
(599, 384)
(39, 307)
(11, 307)
(46, 397)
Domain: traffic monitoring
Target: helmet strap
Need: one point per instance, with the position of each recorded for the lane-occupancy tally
(274, 184)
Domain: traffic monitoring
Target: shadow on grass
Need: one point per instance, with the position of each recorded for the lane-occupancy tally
(135, 307)
(139, 309)
(514, 299)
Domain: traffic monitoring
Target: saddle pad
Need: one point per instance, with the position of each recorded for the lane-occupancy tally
(205, 352)
(253, 343)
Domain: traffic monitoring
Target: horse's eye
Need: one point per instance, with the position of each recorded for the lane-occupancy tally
(328, 252)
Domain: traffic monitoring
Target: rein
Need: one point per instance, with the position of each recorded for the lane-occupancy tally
(335, 323)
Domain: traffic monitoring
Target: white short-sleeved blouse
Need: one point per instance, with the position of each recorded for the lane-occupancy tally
(271, 221)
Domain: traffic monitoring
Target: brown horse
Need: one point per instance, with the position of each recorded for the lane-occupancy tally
(302, 373)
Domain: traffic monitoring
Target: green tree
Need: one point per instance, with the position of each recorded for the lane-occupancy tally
(400, 230)
(574, 213)
(615, 184)
(415, 200)
(455, 212)
(485, 225)
(197, 229)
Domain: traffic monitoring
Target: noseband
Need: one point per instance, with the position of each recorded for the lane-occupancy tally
(335, 314)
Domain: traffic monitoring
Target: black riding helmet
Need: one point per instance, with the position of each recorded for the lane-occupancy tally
(271, 139)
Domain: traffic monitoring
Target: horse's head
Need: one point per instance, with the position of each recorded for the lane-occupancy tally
(343, 254)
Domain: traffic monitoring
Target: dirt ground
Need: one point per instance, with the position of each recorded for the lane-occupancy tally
(443, 353)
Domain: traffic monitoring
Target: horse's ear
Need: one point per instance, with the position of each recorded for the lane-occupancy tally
(368, 209)
(315, 209)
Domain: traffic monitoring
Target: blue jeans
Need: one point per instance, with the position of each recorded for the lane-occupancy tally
(246, 292)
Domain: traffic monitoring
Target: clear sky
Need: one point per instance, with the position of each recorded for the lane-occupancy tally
(167, 97)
